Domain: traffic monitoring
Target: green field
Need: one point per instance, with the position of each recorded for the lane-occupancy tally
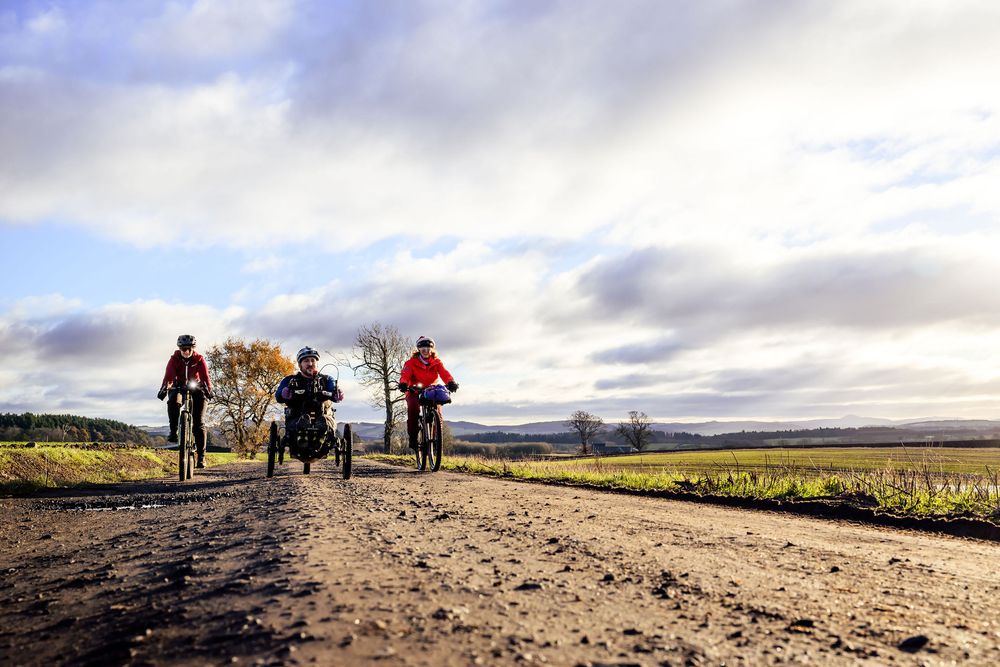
(27, 469)
(820, 461)
(919, 481)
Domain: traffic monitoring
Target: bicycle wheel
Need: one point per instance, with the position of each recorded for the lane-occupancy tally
(182, 445)
(348, 451)
(437, 443)
(272, 448)
(305, 468)
(423, 444)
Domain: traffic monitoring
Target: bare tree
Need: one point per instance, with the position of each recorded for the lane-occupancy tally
(244, 376)
(637, 431)
(586, 426)
(377, 360)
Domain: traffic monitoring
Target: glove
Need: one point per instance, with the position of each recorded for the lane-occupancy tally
(208, 394)
(403, 387)
(286, 393)
(162, 394)
(452, 386)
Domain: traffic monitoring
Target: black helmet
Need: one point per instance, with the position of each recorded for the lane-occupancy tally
(306, 352)
(186, 340)
(425, 341)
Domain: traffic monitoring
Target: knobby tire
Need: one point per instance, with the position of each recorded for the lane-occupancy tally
(348, 451)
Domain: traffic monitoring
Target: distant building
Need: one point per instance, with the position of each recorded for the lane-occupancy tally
(604, 448)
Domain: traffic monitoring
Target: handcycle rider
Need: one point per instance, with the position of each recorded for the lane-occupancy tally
(296, 393)
(186, 366)
(422, 368)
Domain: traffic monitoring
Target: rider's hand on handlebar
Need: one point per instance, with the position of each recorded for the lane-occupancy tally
(162, 394)
(452, 386)
(403, 387)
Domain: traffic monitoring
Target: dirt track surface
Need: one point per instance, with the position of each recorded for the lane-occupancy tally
(396, 567)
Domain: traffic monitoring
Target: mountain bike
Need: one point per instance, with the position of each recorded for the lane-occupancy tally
(185, 429)
(429, 434)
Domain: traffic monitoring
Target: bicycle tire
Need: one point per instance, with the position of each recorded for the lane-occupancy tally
(348, 451)
(423, 445)
(272, 448)
(306, 467)
(437, 442)
(182, 438)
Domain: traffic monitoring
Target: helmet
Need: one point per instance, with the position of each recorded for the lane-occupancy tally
(425, 341)
(306, 352)
(185, 340)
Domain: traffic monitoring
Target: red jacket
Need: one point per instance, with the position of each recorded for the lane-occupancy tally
(184, 370)
(415, 371)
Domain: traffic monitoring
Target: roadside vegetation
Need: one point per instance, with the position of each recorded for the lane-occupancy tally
(924, 482)
(26, 469)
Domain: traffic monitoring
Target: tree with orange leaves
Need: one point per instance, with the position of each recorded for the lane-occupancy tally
(244, 376)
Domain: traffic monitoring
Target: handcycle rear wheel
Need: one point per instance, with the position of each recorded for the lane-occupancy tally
(348, 451)
(272, 448)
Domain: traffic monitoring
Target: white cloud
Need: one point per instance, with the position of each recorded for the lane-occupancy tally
(661, 201)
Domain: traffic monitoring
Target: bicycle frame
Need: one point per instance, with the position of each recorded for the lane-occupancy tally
(429, 435)
(185, 440)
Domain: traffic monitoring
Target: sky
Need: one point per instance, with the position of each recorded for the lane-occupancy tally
(728, 209)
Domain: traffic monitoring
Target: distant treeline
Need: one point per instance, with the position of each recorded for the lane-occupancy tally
(68, 428)
(872, 434)
(501, 437)
(521, 450)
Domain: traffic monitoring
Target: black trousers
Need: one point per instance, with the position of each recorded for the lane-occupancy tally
(197, 412)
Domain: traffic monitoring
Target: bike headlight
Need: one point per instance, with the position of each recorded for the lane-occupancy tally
(192, 385)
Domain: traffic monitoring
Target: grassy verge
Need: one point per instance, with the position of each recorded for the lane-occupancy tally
(914, 492)
(25, 470)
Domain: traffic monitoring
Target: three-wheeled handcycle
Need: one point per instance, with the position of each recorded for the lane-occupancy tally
(310, 432)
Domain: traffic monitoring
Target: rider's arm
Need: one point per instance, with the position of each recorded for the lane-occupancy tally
(331, 386)
(169, 375)
(206, 381)
(281, 386)
(406, 377)
(445, 375)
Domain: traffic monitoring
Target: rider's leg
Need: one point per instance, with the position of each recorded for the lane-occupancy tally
(173, 414)
(412, 415)
(198, 415)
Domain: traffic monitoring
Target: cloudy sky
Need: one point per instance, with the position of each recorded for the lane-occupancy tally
(702, 210)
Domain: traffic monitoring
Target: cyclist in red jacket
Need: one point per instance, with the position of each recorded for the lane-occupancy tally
(186, 366)
(423, 368)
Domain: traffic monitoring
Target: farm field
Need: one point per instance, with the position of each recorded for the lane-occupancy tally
(920, 481)
(950, 460)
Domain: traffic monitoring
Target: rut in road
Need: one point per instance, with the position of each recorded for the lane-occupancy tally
(445, 569)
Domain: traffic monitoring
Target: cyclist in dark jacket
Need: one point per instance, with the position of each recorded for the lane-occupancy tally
(184, 367)
(307, 377)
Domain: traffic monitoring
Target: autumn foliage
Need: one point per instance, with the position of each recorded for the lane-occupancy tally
(244, 377)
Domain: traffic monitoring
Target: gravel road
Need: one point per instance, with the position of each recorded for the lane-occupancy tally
(396, 567)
